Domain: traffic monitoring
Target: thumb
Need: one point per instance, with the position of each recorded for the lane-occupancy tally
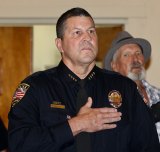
(88, 103)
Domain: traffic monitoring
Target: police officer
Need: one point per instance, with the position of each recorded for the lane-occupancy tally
(47, 113)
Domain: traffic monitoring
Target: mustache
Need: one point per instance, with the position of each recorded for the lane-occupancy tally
(136, 65)
(86, 44)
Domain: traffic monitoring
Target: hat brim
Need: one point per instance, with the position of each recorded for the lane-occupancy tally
(144, 44)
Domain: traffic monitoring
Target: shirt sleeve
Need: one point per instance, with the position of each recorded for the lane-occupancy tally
(26, 130)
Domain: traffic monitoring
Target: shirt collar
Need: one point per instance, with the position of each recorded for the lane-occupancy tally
(68, 75)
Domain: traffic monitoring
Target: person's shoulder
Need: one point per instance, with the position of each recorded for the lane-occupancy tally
(40, 76)
(113, 76)
(110, 73)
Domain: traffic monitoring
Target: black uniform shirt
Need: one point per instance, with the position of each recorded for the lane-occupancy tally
(44, 102)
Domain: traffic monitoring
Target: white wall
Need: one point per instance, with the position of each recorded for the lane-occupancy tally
(45, 53)
(141, 19)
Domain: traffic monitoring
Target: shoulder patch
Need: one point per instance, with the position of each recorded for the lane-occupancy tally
(19, 93)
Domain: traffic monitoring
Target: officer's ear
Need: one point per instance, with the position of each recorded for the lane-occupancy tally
(58, 42)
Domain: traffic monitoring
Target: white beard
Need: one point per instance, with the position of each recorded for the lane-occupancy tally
(137, 76)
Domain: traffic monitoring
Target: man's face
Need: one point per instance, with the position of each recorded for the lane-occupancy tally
(129, 61)
(79, 44)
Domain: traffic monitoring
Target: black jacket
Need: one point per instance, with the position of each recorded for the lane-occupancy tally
(45, 100)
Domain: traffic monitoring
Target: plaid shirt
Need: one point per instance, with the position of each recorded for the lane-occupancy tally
(154, 97)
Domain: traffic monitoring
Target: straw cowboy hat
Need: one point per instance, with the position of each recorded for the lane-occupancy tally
(126, 38)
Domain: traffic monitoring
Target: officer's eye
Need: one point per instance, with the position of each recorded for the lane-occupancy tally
(92, 31)
(77, 32)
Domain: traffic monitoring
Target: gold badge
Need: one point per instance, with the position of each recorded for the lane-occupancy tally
(115, 98)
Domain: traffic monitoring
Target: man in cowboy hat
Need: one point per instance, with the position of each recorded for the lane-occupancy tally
(128, 56)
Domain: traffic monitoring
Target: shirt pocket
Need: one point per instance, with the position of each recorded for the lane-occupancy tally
(53, 117)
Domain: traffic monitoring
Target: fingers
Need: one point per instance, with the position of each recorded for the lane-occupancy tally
(111, 114)
(88, 103)
(108, 126)
(86, 107)
(106, 109)
(96, 119)
(106, 120)
(111, 120)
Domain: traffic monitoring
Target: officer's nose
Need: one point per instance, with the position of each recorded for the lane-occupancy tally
(87, 36)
